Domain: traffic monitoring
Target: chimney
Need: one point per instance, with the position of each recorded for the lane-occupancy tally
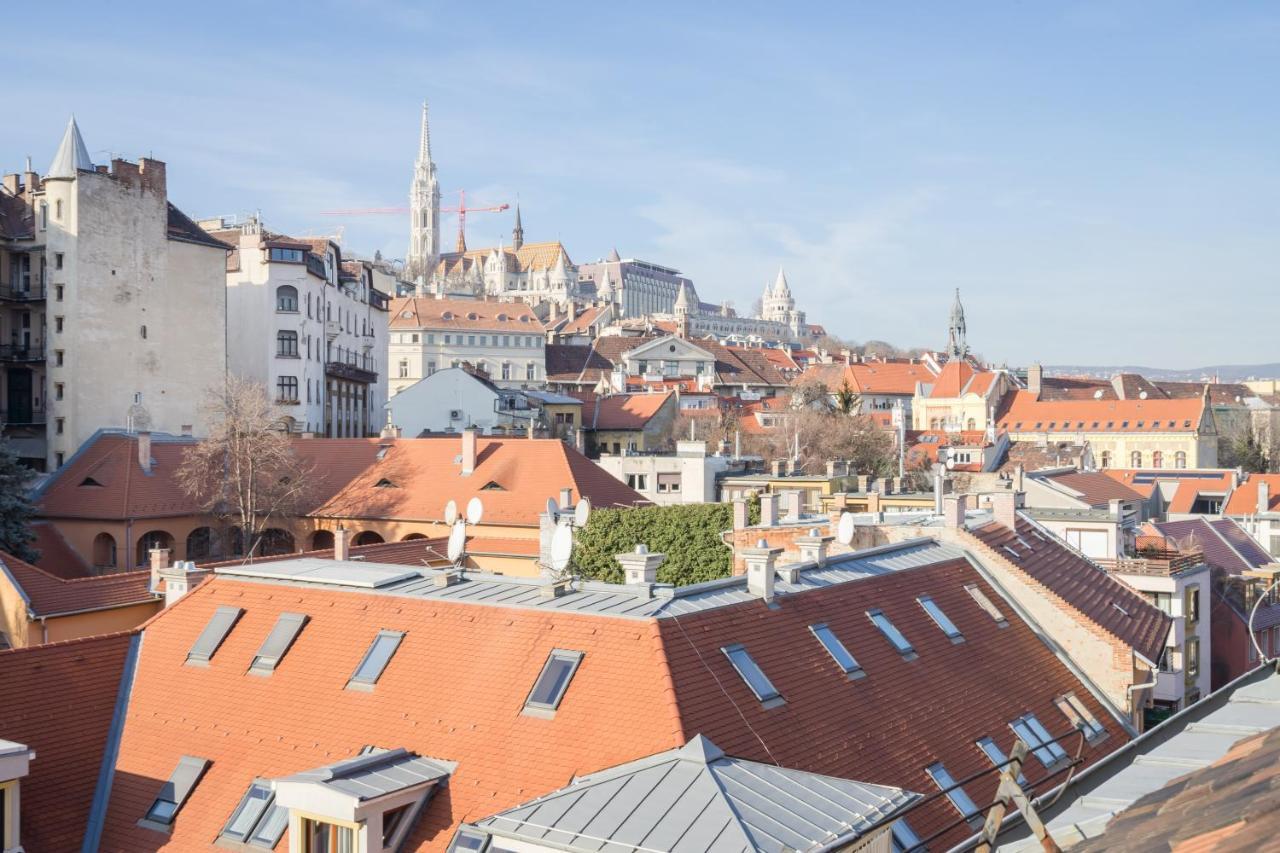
(159, 562)
(1004, 508)
(469, 450)
(776, 467)
(813, 548)
(864, 482)
(768, 510)
(1018, 473)
(11, 183)
(1035, 379)
(144, 451)
(792, 503)
(640, 566)
(740, 514)
(1264, 496)
(953, 509)
(566, 498)
(873, 501)
(341, 544)
(760, 562)
(179, 579)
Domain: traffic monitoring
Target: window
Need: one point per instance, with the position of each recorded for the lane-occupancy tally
(904, 838)
(506, 370)
(57, 260)
(57, 292)
(57, 325)
(668, 484)
(220, 624)
(59, 425)
(58, 358)
(287, 298)
(935, 613)
(1135, 458)
(639, 482)
(467, 839)
(892, 634)
(287, 344)
(277, 643)
(175, 792)
(1193, 657)
(980, 598)
(836, 649)
(1191, 603)
(1162, 600)
(552, 683)
(1038, 740)
(292, 256)
(1157, 459)
(531, 371)
(946, 782)
(321, 837)
(404, 368)
(257, 820)
(1180, 459)
(392, 821)
(1080, 716)
(997, 756)
(753, 675)
(376, 659)
(1106, 459)
(287, 389)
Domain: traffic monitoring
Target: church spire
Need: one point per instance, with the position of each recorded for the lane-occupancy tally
(424, 140)
(957, 346)
(424, 211)
(72, 155)
(517, 233)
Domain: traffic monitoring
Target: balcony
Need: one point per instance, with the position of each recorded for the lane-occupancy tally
(1155, 563)
(342, 370)
(332, 328)
(22, 352)
(15, 293)
(23, 418)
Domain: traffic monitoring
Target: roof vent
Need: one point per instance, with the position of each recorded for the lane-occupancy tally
(554, 590)
(446, 579)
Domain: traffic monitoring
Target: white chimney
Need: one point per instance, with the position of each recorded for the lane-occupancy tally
(761, 561)
(179, 579)
(469, 450)
(144, 451)
(341, 544)
(793, 504)
(640, 566)
(740, 514)
(953, 510)
(813, 548)
(1264, 496)
(768, 510)
(566, 498)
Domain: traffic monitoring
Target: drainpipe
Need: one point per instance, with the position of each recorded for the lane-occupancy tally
(1155, 676)
(44, 629)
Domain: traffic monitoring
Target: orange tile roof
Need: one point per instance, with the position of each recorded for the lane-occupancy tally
(584, 321)
(104, 480)
(871, 377)
(59, 700)
(419, 312)
(57, 557)
(513, 478)
(953, 380)
(48, 595)
(1022, 412)
(625, 411)
(1188, 491)
(1244, 500)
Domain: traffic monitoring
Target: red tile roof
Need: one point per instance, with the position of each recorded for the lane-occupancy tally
(1022, 412)
(430, 313)
(59, 700)
(871, 377)
(513, 478)
(50, 595)
(1095, 488)
(57, 557)
(104, 480)
(624, 411)
(1244, 500)
(1081, 584)
(953, 379)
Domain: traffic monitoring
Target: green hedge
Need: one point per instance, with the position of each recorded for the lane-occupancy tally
(688, 534)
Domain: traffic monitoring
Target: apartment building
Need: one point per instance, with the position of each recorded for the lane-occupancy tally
(101, 281)
(504, 340)
(308, 325)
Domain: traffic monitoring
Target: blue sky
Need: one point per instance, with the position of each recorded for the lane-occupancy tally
(1099, 179)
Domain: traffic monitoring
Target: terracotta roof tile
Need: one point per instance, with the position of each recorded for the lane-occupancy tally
(49, 595)
(1244, 500)
(625, 411)
(57, 557)
(953, 379)
(1096, 488)
(429, 313)
(1022, 412)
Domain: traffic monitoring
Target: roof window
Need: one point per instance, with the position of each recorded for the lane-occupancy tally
(553, 681)
(257, 820)
(1038, 740)
(1124, 425)
(1095, 425)
(935, 613)
(278, 643)
(903, 838)
(753, 675)
(1110, 424)
(998, 758)
(175, 792)
(1140, 424)
(220, 624)
(980, 598)
(892, 634)
(468, 839)
(947, 783)
(492, 486)
(1080, 716)
(836, 649)
(376, 660)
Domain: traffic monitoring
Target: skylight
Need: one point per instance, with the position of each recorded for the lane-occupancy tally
(753, 675)
(257, 820)
(175, 791)
(892, 634)
(376, 659)
(903, 838)
(997, 756)
(278, 643)
(935, 613)
(946, 782)
(836, 649)
(467, 839)
(1038, 739)
(1080, 716)
(553, 681)
(220, 624)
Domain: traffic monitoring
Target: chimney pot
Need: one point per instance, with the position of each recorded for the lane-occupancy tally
(793, 504)
(640, 567)
(341, 544)
(761, 562)
(813, 548)
(740, 513)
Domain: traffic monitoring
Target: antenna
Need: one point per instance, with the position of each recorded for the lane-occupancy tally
(553, 508)
(844, 529)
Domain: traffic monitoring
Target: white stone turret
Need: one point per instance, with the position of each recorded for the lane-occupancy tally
(424, 211)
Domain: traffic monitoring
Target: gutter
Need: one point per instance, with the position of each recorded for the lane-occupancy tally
(111, 751)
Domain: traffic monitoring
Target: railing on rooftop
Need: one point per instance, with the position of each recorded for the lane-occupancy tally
(1160, 563)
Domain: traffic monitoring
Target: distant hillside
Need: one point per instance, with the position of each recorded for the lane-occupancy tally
(1222, 372)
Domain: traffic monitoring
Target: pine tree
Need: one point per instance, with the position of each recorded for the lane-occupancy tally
(15, 506)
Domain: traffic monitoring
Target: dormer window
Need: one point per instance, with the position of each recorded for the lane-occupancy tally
(89, 481)
(384, 483)
(15, 764)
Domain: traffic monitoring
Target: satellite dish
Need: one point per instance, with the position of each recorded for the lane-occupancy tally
(553, 508)
(951, 462)
(844, 529)
(561, 547)
(475, 511)
(582, 512)
(457, 542)
(450, 512)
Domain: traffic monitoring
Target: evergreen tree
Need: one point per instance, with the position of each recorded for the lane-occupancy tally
(15, 506)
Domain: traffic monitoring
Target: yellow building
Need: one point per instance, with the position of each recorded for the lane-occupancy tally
(961, 398)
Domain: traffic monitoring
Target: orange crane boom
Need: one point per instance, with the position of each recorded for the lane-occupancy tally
(462, 210)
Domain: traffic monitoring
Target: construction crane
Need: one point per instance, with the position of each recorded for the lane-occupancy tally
(462, 210)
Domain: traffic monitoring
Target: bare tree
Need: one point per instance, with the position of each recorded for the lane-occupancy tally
(816, 437)
(246, 472)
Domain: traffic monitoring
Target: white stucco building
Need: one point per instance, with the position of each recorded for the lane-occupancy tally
(116, 308)
(686, 477)
(307, 325)
(451, 399)
(505, 340)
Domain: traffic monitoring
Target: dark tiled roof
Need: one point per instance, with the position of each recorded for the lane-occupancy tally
(1082, 584)
(1196, 532)
(183, 229)
(17, 221)
(1246, 546)
(1096, 488)
(59, 700)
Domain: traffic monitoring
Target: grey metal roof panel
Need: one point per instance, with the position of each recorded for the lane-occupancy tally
(375, 774)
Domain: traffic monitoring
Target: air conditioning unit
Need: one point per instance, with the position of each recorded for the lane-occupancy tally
(455, 414)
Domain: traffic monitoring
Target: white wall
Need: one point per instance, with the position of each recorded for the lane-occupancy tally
(429, 404)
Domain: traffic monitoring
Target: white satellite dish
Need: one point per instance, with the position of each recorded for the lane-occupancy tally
(844, 529)
(582, 512)
(553, 508)
(561, 547)
(475, 511)
(450, 512)
(457, 541)
(951, 462)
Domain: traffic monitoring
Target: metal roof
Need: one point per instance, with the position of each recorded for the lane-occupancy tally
(641, 601)
(375, 774)
(1187, 741)
(695, 798)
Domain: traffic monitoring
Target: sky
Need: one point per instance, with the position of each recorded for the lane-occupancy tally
(1100, 180)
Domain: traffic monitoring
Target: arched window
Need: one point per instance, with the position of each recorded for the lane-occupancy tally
(150, 541)
(1135, 459)
(203, 543)
(104, 551)
(1180, 459)
(971, 425)
(287, 298)
(321, 540)
(368, 537)
(273, 541)
(1106, 459)
(287, 344)
(1157, 459)
(413, 536)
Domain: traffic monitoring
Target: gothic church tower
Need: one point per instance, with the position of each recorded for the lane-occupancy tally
(424, 205)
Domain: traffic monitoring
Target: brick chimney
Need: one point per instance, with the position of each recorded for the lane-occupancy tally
(640, 566)
(144, 451)
(777, 467)
(469, 441)
(813, 548)
(761, 561)
(768, 510)
(740, 513)
(1035, 379)
(159, 562)
(1264, 496)
(953, 509)
(1004, 508)
(341, 544)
